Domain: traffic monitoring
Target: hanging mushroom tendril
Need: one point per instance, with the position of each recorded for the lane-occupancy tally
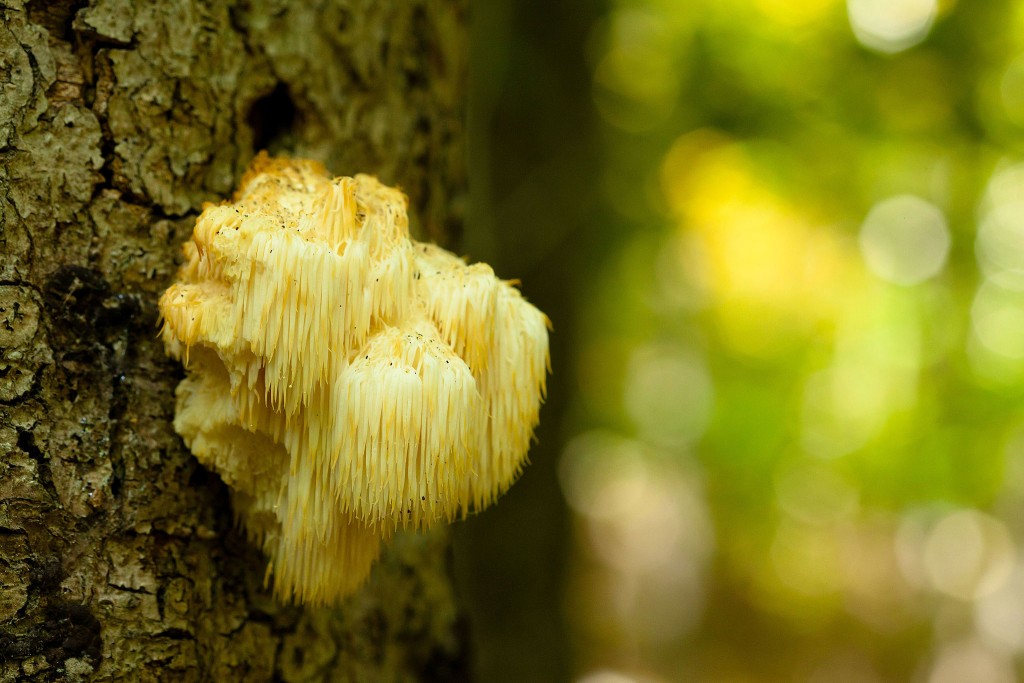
(344, 380)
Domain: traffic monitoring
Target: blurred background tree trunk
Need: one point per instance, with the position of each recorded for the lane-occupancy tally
(536, 204)
(119, 558)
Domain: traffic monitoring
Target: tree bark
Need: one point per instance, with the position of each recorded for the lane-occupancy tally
(119, 556)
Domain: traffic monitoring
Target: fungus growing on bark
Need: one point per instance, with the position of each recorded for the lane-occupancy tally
(344, 380)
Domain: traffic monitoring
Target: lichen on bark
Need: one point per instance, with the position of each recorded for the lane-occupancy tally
(119, 557)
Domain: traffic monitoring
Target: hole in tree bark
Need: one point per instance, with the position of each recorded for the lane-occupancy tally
(272, 119)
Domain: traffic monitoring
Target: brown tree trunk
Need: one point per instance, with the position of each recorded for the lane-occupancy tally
(119, 558)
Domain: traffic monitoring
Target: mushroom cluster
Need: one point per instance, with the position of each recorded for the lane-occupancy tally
(344, 380)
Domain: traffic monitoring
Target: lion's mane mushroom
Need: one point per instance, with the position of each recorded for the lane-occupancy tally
(344, 380)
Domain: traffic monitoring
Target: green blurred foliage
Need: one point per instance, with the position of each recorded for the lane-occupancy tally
(782, 242)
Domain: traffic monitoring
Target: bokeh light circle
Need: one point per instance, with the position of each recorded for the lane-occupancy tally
(968, 554)
(905, 240)
(891, 25)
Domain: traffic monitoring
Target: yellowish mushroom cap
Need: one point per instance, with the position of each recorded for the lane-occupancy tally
(344, 380)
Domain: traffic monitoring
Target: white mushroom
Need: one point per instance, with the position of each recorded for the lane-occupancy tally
(344, 380)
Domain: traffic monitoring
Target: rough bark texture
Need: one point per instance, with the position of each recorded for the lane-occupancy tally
(119, 559)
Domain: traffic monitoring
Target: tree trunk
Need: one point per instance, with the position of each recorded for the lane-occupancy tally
(119, 557)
